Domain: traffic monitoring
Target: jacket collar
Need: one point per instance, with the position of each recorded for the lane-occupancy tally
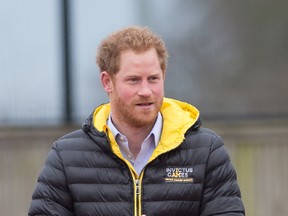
(178, 118)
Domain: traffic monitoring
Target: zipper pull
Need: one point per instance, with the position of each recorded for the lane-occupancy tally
(137, 186)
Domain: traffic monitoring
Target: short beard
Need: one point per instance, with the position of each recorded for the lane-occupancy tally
(130, 118)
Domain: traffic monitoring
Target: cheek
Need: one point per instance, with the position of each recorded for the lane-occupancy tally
(125, 92)
(159, 90)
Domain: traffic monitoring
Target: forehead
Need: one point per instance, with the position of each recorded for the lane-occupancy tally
(137, 60)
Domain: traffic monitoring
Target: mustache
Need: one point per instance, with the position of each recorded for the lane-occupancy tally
(145, 100)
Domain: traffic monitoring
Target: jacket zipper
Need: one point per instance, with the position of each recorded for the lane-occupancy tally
(137, 182)
(137, 198)
(137, 189)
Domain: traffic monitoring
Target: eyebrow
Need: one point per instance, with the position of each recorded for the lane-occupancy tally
(136, 75)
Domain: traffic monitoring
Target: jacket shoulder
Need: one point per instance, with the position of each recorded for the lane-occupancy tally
(204, 137)
(76, 140)
(74, 134)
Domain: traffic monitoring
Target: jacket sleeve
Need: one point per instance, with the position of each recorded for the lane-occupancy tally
(221, 193)
(51, 195)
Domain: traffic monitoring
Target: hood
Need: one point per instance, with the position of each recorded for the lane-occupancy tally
(177, 115)
(178, 118)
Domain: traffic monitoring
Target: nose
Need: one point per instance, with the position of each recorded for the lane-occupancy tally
(145, 90)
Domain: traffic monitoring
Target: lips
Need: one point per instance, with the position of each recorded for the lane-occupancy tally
(144, 104)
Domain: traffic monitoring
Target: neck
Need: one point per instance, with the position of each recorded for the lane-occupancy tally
(135, 135)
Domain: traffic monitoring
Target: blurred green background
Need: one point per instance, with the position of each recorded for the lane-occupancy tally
(228, 58)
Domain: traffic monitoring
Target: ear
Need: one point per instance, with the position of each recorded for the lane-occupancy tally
(106, 81)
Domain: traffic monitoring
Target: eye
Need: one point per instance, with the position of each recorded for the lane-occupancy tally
(133, 79)
(154, 78)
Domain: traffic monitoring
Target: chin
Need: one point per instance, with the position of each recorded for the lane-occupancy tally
(145, 121)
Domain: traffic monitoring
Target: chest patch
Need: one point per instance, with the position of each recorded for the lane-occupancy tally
(179, 174)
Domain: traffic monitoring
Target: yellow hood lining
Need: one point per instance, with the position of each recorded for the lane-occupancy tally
(178, 117)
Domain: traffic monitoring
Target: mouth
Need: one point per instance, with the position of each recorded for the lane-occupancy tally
(145, 104)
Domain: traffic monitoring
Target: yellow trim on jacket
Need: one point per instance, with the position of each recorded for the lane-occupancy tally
(178, 117)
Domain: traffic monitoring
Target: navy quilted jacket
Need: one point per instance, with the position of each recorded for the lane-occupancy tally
(189, 173)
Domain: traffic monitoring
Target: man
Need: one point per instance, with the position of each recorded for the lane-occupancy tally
(141, 153)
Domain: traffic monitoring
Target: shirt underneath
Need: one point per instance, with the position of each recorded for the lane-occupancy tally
(147, 146)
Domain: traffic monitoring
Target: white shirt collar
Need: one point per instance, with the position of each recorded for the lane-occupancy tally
(156, 130)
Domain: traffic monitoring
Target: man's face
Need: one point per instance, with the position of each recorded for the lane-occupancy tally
(137, 90)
